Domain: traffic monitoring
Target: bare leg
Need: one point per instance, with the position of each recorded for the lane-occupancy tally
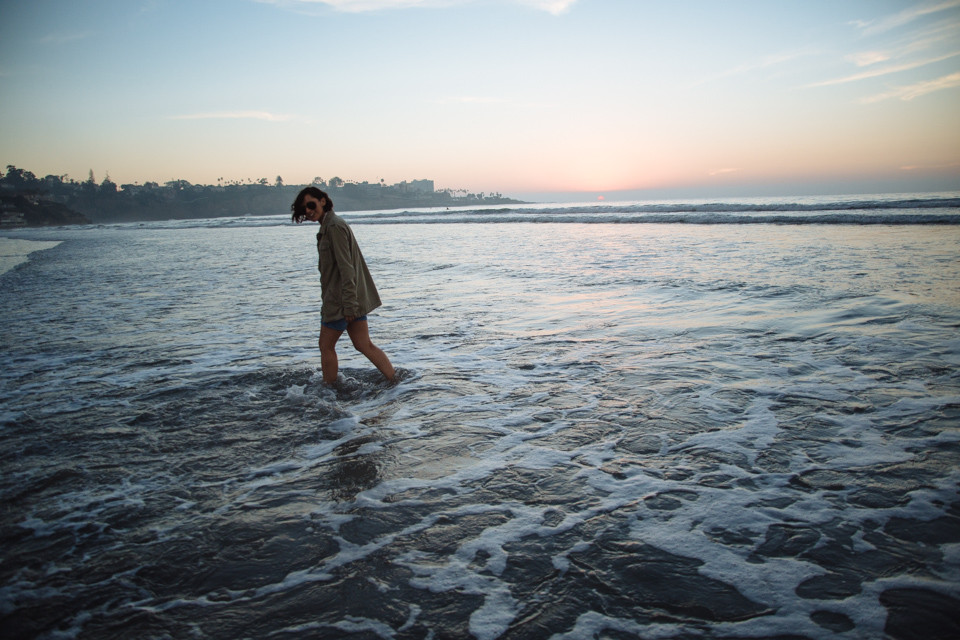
(359, 332)
(328, 354)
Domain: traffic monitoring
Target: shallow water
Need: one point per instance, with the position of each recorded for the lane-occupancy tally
(601, 430)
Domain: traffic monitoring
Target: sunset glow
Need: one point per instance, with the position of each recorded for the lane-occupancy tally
(515, 96)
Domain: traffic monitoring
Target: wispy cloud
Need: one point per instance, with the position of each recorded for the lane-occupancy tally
(555, 7)
(941, 36)
(942, 33)
(867, 58)
(720, 172)
(909, 92)
(64, 38)
(908, 49)
(908, 15)
(883, 71)
(237, 115)
(767, 62)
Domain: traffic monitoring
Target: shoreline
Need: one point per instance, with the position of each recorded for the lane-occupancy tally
(16, 251)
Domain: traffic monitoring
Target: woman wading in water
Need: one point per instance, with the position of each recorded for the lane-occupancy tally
(346, 287)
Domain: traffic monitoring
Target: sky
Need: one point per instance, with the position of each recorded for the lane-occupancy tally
(526, 98)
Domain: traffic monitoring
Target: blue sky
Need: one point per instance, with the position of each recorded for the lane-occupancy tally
(513, 96)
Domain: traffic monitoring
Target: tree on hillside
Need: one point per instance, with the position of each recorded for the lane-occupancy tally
(108, 185)
(20, 179)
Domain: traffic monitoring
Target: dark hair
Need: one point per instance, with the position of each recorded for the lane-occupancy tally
(300, 211)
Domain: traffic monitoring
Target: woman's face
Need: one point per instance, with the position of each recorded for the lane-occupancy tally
(316, 213)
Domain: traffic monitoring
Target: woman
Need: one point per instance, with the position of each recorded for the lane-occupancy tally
(346, 287)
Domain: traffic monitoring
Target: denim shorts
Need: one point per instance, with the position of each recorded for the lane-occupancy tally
(341, 324)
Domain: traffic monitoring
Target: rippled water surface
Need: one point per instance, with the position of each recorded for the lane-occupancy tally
(601, 430)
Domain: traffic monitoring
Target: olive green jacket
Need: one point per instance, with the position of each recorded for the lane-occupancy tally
(345, 282)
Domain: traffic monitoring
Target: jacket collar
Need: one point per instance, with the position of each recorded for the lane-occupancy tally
(325, 222)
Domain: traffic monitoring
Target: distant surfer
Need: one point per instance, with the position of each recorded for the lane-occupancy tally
(346, 287)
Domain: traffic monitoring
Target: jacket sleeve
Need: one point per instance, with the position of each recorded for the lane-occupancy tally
(343, 254)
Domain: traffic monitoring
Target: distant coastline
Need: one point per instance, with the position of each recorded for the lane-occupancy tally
(29, 201)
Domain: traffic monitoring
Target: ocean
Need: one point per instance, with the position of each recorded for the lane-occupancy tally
(657, 420)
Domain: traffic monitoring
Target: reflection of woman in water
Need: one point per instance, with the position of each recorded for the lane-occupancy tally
(346, 287)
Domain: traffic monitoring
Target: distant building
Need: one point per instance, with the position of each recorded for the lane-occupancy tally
(11, 216)
(423, 186)
(416, 186)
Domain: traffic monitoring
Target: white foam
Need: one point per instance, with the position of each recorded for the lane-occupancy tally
(349, 624)
(592, 623)
(15, 251)
(751, 436)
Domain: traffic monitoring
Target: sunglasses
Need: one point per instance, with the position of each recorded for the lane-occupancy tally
(311, 206)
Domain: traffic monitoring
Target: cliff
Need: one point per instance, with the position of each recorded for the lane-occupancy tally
(31, 211)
